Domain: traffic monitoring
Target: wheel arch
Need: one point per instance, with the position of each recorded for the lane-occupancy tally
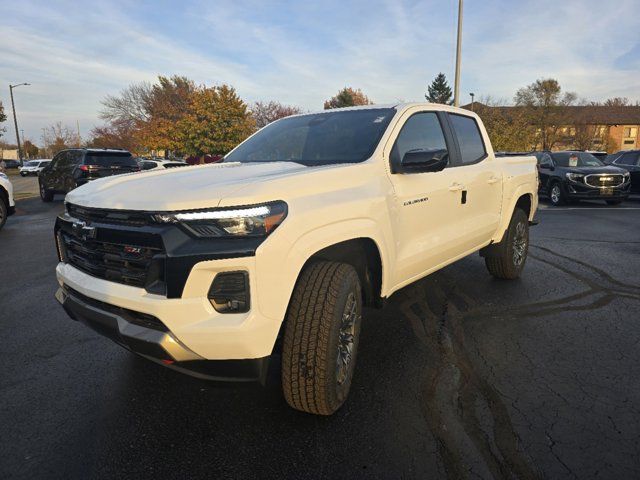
(523, 198)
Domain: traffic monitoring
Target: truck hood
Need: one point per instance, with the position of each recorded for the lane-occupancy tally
(178, 188)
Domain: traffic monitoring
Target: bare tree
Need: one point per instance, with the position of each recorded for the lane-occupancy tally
(266, 112)
(57, 137)
(130, 107)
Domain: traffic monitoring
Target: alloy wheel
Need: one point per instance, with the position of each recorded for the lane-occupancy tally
(555, 194)
(346, 338)
(520, 244)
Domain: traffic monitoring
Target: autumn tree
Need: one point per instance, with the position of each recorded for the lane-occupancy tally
(57, 137)
(546, 106)
(29, 149)
(439, 91)
(170, 101)
(266, 112)
(508, 128)
(347, 97)
(113, 135)
(3, 118)
(215, 122)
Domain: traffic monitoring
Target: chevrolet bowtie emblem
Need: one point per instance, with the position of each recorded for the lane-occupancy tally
(84, 231)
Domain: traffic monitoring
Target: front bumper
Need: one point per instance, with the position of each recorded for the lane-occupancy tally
(148, 337)
(580, 191)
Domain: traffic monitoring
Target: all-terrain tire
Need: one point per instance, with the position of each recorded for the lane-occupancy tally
(45, 194)
(508, 259)
(317, 360)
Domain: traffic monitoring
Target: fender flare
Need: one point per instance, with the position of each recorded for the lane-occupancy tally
(305, 246)
(520, 191)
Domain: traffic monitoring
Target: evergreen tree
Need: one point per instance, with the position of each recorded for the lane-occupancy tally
(439, 91)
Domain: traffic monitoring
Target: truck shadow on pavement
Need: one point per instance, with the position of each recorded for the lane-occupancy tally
(456, 397)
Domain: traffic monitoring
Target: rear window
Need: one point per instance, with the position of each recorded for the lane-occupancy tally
(107, 159)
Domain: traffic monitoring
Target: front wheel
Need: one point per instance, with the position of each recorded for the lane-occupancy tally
(508, 260)
(45, 194)
(321, 338)
(556, 195)
(23, 174)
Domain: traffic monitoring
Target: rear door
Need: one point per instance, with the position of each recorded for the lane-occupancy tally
(105, 164)
(480, 175)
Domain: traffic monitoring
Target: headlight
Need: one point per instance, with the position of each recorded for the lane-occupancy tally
(255, 221)
(575, 177)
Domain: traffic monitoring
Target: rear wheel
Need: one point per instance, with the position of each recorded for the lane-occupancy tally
(45, 194)
(321, 338)
(508, 259)
(556, 195)
(614, 202)
(4, 208)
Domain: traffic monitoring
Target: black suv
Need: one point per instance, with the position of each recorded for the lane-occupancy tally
(630, 161)
(571, 175)
(74, 167)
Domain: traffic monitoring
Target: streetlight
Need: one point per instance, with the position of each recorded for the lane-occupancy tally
(456, 87)
(15, 120)
(472, 95)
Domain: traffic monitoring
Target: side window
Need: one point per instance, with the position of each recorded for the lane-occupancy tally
(421, 132)
(545, 159)
(627, 159)
(75, 158)
(472, 148)
(55, 162)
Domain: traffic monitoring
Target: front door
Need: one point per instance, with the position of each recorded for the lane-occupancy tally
(426, 205)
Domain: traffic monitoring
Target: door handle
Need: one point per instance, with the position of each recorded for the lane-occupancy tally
(455, 187)
(492, 180)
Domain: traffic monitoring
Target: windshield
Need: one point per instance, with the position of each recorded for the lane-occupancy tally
(318, 139)
(576, 159)
(108, 159)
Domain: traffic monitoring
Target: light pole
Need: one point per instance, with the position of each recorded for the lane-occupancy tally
(456, 87)
(472, 96)
(15, 120)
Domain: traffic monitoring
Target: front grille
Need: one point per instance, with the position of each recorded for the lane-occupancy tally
(604, 180)
(122, 263)
(115, 217)
(137, 318)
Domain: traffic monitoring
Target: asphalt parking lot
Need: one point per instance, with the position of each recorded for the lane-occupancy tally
(460, 376)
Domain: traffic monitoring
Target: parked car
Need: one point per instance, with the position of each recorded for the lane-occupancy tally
(74, 167)
(7, 204)
(12, 164)
(630, 161)
(573, 175)
(155, 164)
(33, 167)
(277, 249)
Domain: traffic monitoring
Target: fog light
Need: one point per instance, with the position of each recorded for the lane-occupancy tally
(229, 292)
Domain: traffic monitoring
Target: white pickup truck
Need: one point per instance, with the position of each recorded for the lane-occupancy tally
(7, 203)
(214, 270)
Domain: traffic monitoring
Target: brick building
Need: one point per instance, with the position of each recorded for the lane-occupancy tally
(595, 127)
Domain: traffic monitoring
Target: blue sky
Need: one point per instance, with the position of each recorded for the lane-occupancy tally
(302, 52)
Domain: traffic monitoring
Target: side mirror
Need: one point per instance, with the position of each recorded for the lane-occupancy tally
(419, 161)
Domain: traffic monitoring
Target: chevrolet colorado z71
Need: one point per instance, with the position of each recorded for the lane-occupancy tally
(211, 270)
